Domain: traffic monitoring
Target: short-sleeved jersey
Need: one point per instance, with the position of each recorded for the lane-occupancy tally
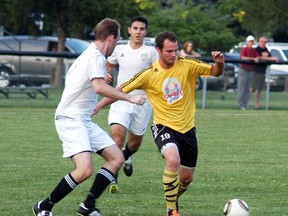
(79, 99)
(131, 61)
(171, 92)
(248, 52)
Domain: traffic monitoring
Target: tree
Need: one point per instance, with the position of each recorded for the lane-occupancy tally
(191, 20)
(65, 18)
(258, 17)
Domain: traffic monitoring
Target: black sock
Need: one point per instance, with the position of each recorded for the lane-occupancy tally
(116, 177)
(103, 178)
(127, 152)
(65, 186)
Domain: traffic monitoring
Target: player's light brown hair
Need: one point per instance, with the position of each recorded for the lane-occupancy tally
(105, 28)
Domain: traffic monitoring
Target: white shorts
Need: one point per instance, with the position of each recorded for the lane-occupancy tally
(81, 135)
(134, 117)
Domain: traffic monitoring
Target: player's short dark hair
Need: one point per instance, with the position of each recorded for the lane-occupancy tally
(139, 19)
(161, 37)
(105, 28)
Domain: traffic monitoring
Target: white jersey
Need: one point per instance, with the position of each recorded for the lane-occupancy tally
(79, 99)
(132, 61)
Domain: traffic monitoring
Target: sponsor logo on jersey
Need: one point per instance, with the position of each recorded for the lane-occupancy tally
(171, 88)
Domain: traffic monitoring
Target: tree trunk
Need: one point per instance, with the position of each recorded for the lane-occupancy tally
(60, 69)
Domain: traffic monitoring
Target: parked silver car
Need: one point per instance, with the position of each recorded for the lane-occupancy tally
(278, 72)
(32, 70)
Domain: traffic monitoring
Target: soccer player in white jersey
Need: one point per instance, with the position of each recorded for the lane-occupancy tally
(81, 137)
(126, 118)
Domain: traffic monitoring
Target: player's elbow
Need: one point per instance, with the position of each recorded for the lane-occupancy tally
(217, 71)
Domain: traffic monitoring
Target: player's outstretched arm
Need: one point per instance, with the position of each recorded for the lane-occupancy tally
(112, 94)
(102, 103)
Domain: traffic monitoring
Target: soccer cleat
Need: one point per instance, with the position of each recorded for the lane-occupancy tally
(172, 212)
(83, 211)
(113, 188)
(38, 212)
(127, 167)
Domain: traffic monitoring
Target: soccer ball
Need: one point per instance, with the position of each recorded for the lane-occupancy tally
(236, 207)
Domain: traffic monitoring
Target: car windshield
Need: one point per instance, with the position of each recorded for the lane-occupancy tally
(77, 45)
(285, 53)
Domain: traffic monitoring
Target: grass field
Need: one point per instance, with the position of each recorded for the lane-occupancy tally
(242, 154)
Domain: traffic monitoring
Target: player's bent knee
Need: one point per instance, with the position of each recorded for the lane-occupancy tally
(186, 180)
(173, 162)
(83, 174)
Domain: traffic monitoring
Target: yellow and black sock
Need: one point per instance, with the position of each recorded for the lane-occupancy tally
(171, 185)
(182, 189)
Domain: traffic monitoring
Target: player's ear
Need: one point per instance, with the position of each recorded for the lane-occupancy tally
(158, 50)
(129, 30)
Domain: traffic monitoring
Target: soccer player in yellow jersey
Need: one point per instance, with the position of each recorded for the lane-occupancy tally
(169, 84)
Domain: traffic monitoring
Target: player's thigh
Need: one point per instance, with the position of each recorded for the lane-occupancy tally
(188, 148)
(99, 139)
(74, 136)
(163, 136)
(140, 119)
(120, 113)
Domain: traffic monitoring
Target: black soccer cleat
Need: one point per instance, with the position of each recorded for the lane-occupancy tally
(38, 212)
(127, 167)
(83, 211)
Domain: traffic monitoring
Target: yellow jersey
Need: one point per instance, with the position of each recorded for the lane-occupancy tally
(171, 92)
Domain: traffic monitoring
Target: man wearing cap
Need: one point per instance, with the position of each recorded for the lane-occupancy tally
(246, 53)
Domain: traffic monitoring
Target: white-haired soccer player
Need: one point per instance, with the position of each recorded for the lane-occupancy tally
(81, 137)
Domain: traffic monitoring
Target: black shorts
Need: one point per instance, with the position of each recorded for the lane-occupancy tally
(186, 143)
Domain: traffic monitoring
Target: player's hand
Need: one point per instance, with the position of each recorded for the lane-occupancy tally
(218, 57)
(97, 108)
(108, 78)
(138, 99)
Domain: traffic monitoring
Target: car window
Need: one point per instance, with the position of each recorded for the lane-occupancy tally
(77, 46)
(34, 45)
(9, 44)
(275, 52)
(52, 46)
(286, 54)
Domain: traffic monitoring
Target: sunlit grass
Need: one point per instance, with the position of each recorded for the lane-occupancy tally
(242, 154)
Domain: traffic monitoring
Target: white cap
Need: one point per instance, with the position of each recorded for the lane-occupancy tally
(250, 38)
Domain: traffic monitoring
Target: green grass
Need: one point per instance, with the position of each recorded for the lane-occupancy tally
(242, 154)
